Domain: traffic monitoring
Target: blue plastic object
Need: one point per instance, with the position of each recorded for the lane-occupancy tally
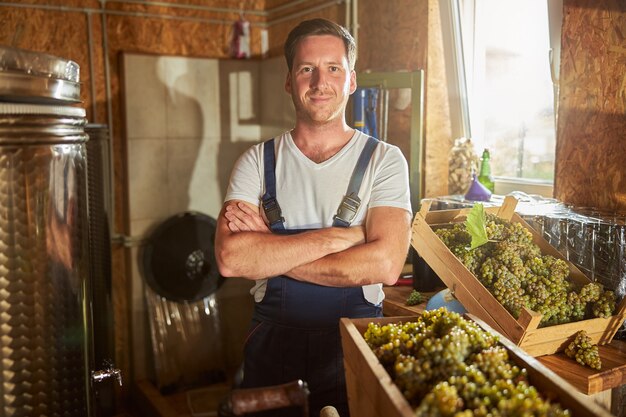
(444, 298)
(364, 104)
(358, 109)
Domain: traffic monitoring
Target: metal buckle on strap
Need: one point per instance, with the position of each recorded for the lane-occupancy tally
(272, 211)
(348, 208)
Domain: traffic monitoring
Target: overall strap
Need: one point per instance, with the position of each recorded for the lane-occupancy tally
(270, 204)
(351, 201)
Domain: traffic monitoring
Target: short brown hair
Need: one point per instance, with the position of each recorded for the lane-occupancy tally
(319, 27)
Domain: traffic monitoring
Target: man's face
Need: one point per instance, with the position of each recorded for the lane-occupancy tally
(320, 81)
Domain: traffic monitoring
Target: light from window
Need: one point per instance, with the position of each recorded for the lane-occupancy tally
(506, 48)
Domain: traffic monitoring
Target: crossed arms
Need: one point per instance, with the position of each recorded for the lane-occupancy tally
(333, 256)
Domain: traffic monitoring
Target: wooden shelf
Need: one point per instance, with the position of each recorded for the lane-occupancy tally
(395, 301)
(590, 381)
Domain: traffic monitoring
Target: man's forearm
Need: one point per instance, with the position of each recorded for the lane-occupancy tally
(360, 265)
(257, 255)
(380, 260)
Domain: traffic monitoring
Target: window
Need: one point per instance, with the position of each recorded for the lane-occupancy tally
(504, 50)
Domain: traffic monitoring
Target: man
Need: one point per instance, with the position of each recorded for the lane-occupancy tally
(319, 218)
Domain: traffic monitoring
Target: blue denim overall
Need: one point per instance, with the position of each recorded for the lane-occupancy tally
(295, 328)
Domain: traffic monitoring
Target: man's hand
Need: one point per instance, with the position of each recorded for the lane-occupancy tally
(242, 218)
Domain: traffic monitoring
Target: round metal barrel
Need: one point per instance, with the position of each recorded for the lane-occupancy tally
(43, 261)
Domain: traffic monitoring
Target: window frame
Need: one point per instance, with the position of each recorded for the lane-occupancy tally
(451, 12)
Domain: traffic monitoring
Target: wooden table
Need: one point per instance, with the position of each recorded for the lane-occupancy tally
(596, 384)
(395, 302)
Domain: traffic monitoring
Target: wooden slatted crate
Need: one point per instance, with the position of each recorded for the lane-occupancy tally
(477, 300)
(372, 393)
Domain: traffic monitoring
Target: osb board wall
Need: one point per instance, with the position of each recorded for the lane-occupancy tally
(60, 33)
(404, 35)
(389, 34)
(279, 30)
(438, 131)
(591, 146)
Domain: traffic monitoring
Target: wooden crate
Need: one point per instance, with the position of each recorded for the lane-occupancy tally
(372, 393)
(478, 301)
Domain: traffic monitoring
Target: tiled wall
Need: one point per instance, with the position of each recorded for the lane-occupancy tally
(187, 121)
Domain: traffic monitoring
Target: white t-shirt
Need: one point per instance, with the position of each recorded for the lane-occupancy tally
(309, 193)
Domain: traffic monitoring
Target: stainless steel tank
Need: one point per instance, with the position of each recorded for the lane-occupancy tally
(46, 299)
(44, 311)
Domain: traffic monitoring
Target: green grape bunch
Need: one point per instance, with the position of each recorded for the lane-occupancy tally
(514, 270)
(605, 305)
(591, 292)
(414, 298)
(495, 364)
(446, 365)
(584, 351)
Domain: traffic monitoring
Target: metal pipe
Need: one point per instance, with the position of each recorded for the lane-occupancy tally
(348, 20)
(164, 4)
(385, 115)
(285, 6)
(305, 12)
(91, 72)
(107, 79)
(192, 7)
(48, 7)
(169, 17)
(125, 13)
(355, 22)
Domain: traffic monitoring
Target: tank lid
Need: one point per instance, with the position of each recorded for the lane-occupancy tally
(38, 64)
(27, 76)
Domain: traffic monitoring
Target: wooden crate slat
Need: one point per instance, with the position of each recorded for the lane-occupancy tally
(552, 339)
(507, 209)
(371, 392)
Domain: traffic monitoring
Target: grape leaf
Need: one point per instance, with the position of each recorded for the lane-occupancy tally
(475, 224)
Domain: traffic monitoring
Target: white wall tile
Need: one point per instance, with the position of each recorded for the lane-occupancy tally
(193, 179)
(276, 106)
(141, 229)
(193, 101)
(206, 192)
(239, 98)
(148, 178)
(144, 97)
